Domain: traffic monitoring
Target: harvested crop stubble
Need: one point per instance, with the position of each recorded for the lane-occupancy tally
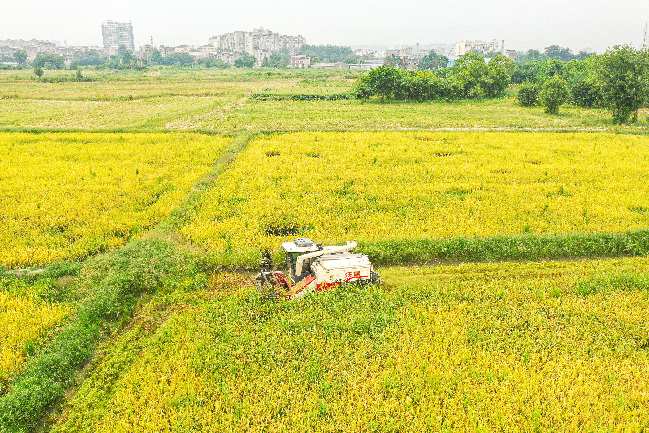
(68, 195)
(372, 186)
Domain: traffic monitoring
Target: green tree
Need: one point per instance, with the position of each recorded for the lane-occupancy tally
(433, 61)
(48, 61)
(125, 56)
(38, 72)
(623, 76)
(548, 69)
(470, 73)
(479, 79)
(245, 61)
(91, 58)
(528, 71)
(553, 94)
(329, 53)
(582, 82)
(395, 62)
(213, 63)
(583, 55)
(156, 57)
(20, 57)
(555, 52)
(362, 89)
(498, 77)
(383, 81)
(420, 85)
(505, 62)
(279, 61)
(533, 55)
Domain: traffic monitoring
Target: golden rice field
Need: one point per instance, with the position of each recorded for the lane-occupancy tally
(67, 195)
(553, 347)
(149, 338)
(25, 319)
(371, 186)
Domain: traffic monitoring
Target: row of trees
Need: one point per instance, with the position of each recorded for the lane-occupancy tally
(617, 80)
(329, 54)
(554, 52)
(469, 78)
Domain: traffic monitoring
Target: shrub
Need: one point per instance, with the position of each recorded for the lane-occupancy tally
(553, 94)
(528, 94)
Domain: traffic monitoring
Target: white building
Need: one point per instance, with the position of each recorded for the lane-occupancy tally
(260, 43)
(116, 34)
(481, 47)
(300, 62)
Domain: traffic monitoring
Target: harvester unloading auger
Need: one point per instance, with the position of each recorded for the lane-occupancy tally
(313, 267)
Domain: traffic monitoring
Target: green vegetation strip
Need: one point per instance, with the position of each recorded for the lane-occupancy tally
(523, 247)
(112, 285)
(114, 282)
(301, 97)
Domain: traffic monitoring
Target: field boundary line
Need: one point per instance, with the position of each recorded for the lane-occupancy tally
(183, 213)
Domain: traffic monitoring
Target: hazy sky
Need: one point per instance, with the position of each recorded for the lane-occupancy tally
(577, 24)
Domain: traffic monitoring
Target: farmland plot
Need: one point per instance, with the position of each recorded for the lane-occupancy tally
(65, 196)
(540, 346)
(373, 186)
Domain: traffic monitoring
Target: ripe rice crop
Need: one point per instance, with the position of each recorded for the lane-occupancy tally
(65, 196)
(376, 186)
(24, 319)
(555, 347)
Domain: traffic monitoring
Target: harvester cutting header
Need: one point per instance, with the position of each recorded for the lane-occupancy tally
(312, 267)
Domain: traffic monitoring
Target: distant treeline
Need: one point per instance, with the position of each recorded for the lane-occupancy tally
(617, 80)
(469, 78)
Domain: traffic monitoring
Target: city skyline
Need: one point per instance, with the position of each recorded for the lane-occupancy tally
(573, 24)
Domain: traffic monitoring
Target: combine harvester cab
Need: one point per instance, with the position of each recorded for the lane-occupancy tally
(313, 267)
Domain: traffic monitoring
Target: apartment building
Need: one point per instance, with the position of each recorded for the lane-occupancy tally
(116, 34)
(260, 43)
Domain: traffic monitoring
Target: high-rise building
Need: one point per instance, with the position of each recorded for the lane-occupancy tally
(116, 34)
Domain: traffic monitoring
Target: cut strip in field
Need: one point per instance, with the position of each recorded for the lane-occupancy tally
(327, 115)
(377, 186)
(68, 195)
(496, 347)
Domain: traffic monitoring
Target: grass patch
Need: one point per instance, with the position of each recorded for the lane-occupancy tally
(516, 247)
